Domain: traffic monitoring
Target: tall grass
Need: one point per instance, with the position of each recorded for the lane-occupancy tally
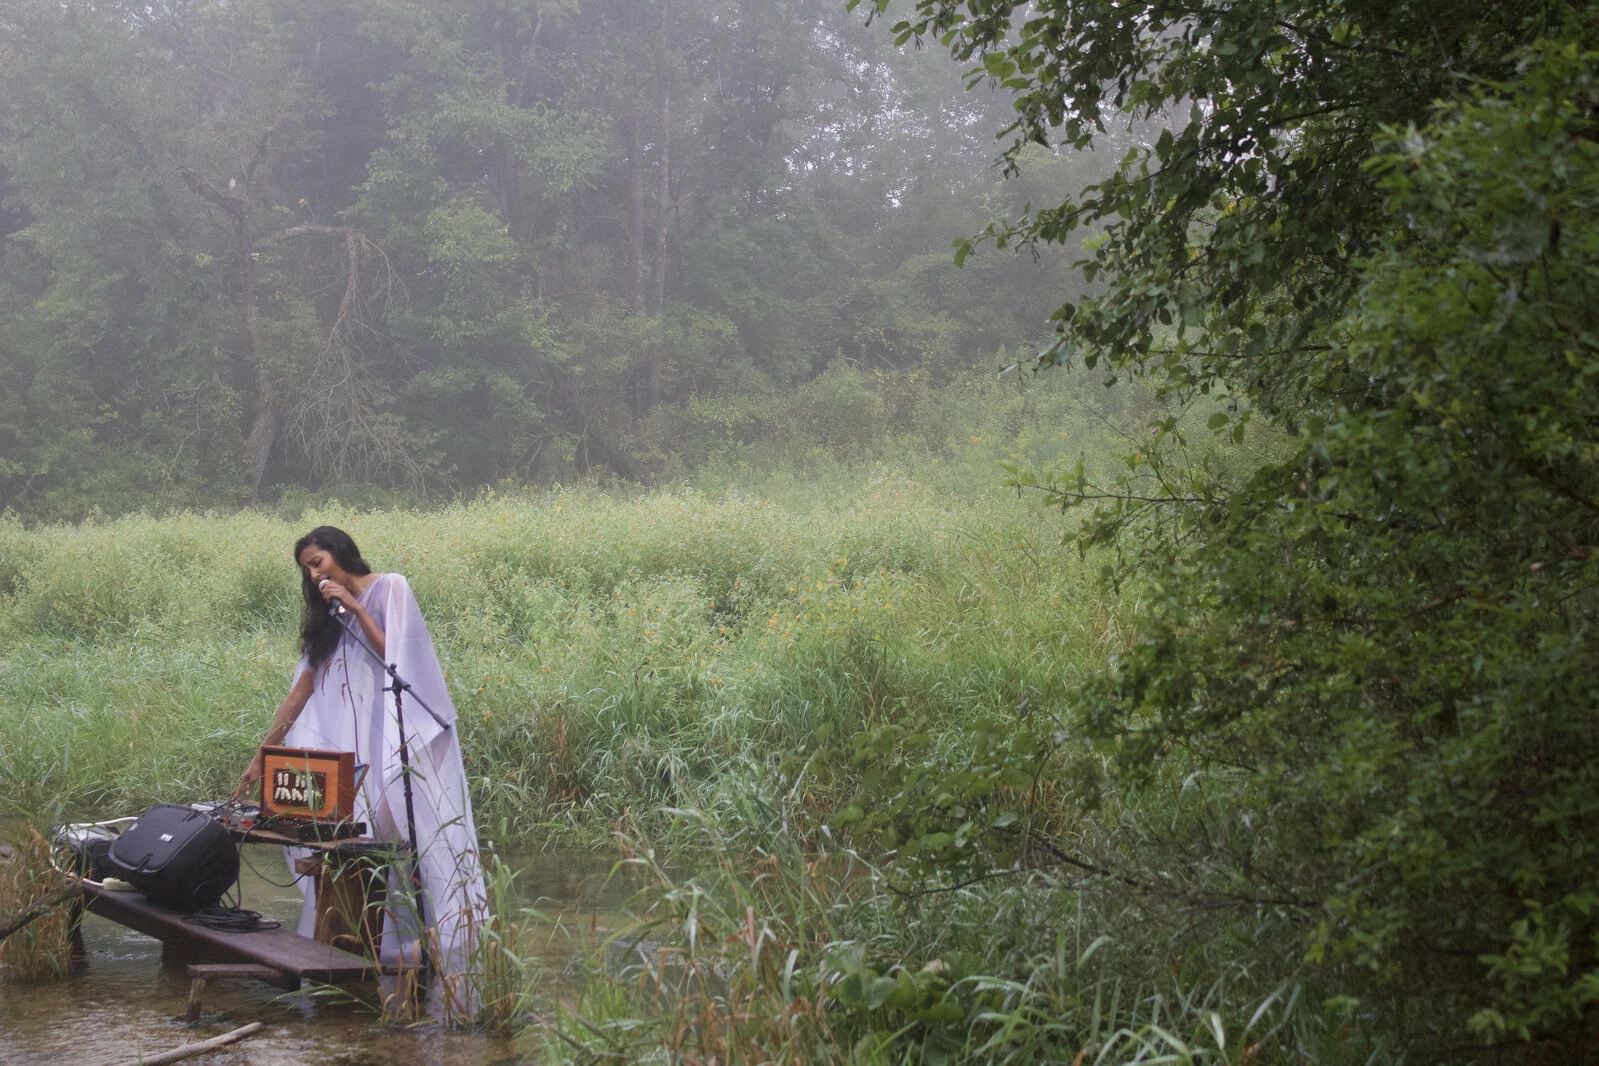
(688, 668)
(42, 949)
(603, 649)
(784, 946)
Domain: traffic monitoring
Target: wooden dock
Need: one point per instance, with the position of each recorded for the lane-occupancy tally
(298, 959)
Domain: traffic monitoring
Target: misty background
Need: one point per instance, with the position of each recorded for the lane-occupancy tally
(260, 252)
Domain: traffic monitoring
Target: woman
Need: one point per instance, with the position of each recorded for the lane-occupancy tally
(339, 701)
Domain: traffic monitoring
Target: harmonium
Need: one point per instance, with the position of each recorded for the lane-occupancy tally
(309, 794)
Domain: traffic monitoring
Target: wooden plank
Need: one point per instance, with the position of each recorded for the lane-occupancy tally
(196, 990)
(282, 949)
(352, 844)
(253, 971)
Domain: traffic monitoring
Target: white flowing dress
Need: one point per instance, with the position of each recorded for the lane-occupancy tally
(350, 709)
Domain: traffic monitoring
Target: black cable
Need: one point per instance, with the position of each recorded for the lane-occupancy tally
(275, 884)
(220, 811)
(231, 920)
(236, 919)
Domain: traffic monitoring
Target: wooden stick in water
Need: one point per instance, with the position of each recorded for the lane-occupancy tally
(177, 1054)
(39, 907)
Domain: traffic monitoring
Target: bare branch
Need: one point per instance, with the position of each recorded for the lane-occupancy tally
(340, 426)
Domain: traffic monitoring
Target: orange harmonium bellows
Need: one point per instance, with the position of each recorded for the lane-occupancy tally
(305, 783)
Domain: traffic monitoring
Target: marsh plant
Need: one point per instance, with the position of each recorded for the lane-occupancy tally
(492, 987)
(785, 945)
(42, 949)
(601, 649)
(506, 971)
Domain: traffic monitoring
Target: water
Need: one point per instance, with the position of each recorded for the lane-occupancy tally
(123, 1000)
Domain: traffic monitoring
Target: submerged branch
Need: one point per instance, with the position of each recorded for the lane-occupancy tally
(201, 1047)
(40, 907)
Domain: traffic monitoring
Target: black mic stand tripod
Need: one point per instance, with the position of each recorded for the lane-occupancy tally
(398, 685)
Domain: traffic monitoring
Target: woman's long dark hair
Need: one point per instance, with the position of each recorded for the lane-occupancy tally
(320, 631)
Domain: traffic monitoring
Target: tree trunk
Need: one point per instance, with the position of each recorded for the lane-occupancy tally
(635, 222)
(638, 289)
(258, 450)
(508, 179)
(513, 46)
(663, 221)
(264, 430)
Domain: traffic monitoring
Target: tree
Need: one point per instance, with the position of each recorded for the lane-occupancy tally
(153, 148)
(589, 237)
(1375, 647)
(1242, 222)
(491, 146)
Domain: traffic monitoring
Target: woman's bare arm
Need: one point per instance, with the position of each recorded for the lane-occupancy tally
(288, 711)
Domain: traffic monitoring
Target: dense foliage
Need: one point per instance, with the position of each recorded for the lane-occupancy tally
(1334, 748)
(435, 244)
(1369, 661)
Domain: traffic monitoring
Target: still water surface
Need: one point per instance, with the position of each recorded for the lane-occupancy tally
(123, 1000)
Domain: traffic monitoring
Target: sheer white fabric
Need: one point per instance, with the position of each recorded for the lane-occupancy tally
(350, 709)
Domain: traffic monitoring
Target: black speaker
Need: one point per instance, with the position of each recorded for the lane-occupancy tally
(177, 856)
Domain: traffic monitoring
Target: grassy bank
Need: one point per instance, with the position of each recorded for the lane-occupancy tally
(603, 650)
(696, 672)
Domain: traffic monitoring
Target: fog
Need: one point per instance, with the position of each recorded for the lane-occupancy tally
(253, 249)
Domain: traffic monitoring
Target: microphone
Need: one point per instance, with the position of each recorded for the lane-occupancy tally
(337, 608)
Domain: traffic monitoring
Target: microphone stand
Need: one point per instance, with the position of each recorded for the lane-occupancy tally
(397, 685)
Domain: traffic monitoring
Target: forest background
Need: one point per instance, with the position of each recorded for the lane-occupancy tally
(255, 251)
(1289, 761)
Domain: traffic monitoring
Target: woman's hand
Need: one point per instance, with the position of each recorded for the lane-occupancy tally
(288, 712)
(333, 592)
(251, 775)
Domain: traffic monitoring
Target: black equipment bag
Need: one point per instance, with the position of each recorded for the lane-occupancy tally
(88, 847)
(177, 856)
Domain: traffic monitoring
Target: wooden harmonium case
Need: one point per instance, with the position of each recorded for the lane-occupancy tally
(302, 783)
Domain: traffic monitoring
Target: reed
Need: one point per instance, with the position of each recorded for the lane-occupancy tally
(782, 946)
(602, 649)
(690, 670)
(493, 989)
(506, 972)
(42, 949)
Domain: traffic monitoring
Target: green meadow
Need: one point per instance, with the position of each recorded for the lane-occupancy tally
(606, 653)
(687, 679)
